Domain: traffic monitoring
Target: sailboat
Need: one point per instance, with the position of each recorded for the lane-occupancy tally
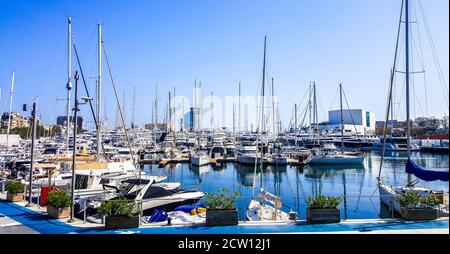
(261, 210)
(389, 193)
(328, 155)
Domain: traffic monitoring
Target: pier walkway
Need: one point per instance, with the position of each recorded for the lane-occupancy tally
(17, 219)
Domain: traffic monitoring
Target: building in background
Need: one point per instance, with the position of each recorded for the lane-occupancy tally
(355, 121)
(62, 121)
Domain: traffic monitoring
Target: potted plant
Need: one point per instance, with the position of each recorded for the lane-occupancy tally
(220, 208)
(417, 207)
(323, 209)
(58, 204)
(15, 191)
(119, 213)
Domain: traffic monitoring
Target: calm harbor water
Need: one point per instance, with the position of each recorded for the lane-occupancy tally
(357, 185)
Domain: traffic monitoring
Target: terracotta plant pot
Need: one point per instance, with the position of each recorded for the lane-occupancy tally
(14, 197)
(323, 216)
(419, 213)
(58, 213)
(116, 222)
(221, 217)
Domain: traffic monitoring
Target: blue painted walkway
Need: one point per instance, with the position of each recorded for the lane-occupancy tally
(45, 225)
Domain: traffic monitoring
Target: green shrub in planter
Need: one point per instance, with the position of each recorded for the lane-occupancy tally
(323, 202)
(118, 207)
(417, 207)
(119, 213)
(323, 209)
(222, 200)
(415, 200)
(15, 187)
(59, 199)
(15, 191)
(58, 204)
(221, 210)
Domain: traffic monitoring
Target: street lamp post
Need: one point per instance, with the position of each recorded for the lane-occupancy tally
(74, 149)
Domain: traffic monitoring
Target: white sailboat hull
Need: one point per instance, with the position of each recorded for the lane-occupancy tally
(200, 160)
(258, 211)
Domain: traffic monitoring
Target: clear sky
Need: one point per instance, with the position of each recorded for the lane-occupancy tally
(172, 43)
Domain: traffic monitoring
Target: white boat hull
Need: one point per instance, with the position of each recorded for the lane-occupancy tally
(258, 211)
(200, 161)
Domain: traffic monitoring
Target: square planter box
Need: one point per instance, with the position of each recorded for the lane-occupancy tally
(419, 213)
(323, 216)
(221, 217)
(117, 222)
(58, 213)
(14, 197)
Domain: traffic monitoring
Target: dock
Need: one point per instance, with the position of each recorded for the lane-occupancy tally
(16, 218)
(214, 161)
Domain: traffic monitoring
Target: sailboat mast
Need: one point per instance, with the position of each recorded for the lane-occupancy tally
(133, 111)
(156, 105)
(315, 111)
(408, 124)
(263, 86)
(99, 87)
(69, 83)
(342, 116)
(212, 108)
(239, 108)
(310, 108)
(295, 117)
(11, 92)
(273, 111)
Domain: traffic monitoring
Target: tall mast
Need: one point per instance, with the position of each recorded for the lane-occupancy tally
(212, 108)
(156, 105)
(263, 85)
(174, 117)
(408, 128)
(99, 87)
(342, 116)
(124, 111)
(69, 83)
(315, 111)
(239, 108)
(273, 111)
(295, 120)
(169, 108)
(133, 111)
(11, 92)
(310, 107)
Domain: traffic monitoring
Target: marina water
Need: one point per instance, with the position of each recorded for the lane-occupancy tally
(356, 185)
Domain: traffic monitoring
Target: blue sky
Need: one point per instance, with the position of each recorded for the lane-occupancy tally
(171, 43)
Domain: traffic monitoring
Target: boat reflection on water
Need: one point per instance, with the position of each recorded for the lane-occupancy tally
(199, 171)
(245, 174)
(318, 173)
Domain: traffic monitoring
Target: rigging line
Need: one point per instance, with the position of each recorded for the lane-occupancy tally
(434, 53)
(334, 98)
(87, 91)
(391, 85)
(351, 115)
(301, 102)
(118, 102)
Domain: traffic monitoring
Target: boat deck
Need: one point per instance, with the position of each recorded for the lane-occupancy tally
(16, 218)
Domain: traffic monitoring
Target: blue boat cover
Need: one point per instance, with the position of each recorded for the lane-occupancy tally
(158, 216)
(426, 174)
(189, 208)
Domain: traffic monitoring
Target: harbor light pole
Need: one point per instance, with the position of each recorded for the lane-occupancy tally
(33, 134)
(74, 148)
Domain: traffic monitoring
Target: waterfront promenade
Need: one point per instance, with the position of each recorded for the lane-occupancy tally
(15, 218)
